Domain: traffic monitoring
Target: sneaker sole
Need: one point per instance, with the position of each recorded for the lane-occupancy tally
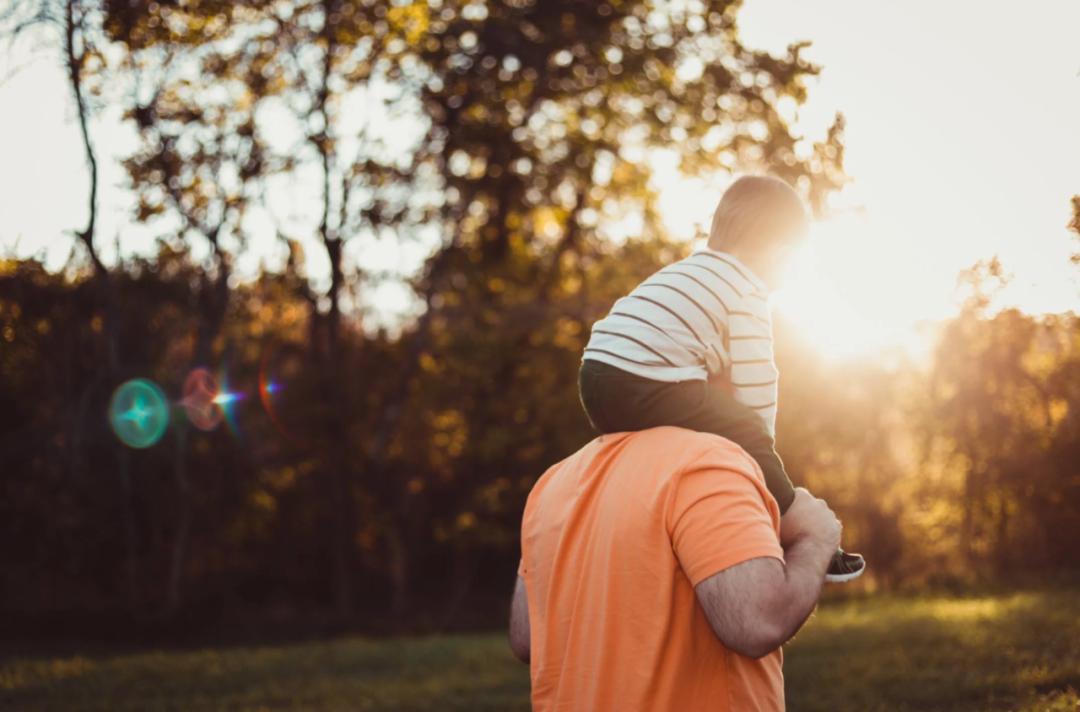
(844, 578)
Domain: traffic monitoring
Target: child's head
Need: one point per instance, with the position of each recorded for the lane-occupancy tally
(761, 220)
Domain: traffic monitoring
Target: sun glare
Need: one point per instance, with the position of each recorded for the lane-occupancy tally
(838, 294)
(841, 293)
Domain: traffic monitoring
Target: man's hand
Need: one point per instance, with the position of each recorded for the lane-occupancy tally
(811, 519)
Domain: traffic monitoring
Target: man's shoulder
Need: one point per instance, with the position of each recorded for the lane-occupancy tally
(685, 445)
(679, 451)
(665, 448)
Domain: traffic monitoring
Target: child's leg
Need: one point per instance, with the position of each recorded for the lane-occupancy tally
(617, 401)
(718, 412)
(721, 414)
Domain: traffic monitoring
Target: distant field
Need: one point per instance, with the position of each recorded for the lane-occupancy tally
(1017, 651)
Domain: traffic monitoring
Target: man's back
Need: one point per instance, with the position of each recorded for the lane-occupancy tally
(614, 539)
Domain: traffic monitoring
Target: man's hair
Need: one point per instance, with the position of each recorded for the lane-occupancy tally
(754, 209)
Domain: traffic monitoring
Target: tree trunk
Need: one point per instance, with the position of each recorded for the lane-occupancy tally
(338, 475)
(104, 287)
(214, 302)
(398, 562)
(178, 550)
(1004, 554)
(465, 567)
(340, 480)
(131, 569)
(967, 524)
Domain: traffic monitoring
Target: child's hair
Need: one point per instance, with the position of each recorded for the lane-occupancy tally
(755, 208)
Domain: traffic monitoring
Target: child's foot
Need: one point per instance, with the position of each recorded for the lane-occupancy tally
(845, 567)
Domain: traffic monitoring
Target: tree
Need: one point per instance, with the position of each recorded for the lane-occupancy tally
(513, 139)
(542, 120)
(335, 54)
(999, 418)
(195, 87)
(79, 24)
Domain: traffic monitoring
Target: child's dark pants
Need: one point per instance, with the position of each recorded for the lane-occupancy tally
(617, 401)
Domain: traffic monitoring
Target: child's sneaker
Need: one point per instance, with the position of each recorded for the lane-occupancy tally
(845, 567)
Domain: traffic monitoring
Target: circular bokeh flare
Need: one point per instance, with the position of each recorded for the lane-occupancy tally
(202, 400)
(139, 413)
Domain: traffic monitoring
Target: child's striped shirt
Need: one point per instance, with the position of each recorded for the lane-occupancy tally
(706, 315)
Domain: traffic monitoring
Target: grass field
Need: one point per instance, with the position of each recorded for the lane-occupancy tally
(1017, 651)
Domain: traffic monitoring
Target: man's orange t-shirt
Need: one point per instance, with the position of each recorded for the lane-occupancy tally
(613, 540)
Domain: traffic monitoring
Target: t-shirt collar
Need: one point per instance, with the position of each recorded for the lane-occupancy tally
(756, 282)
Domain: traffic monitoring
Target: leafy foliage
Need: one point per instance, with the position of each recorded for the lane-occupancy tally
(502, 142)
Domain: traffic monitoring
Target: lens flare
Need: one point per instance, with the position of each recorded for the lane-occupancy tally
(272, 391)
(139, 413)
(201, 400)
(227, 400)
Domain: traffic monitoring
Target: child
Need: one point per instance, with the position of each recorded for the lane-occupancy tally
(649, 361)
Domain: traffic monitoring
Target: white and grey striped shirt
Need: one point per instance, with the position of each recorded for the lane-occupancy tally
(706, 315)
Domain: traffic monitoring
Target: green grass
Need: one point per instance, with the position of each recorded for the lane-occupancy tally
(1018, 651)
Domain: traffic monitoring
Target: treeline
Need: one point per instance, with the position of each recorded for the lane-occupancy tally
(506, 143)
(963, 467)
(957, 469)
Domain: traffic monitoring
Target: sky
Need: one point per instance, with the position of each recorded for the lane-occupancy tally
(963, 143)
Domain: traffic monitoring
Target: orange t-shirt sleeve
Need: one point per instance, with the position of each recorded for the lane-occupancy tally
(719, 517)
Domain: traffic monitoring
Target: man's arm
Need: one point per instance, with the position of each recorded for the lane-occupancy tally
(756, 606)
(519, 622)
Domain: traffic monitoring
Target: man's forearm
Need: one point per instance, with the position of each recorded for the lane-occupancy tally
(805, 563)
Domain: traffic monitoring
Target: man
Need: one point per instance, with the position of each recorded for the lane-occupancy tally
(654, 576)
